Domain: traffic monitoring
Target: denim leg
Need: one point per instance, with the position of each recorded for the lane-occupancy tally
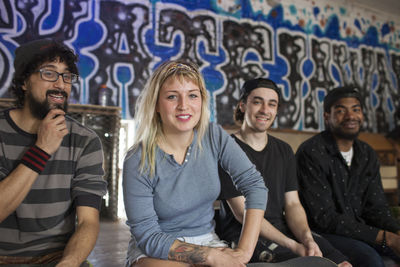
(359, 253)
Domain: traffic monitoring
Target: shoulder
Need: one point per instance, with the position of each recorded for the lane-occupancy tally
(78, 128)
(133, 152)
(364, 147)
(214, 128)
(318, 141)
(279, 143)
(215, 132)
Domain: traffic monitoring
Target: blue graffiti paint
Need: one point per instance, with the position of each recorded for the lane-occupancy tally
(308, 67)
(251, 57)
(390, 105)
(316, 11)
(357, 24)
(374, 81)
(385, 29)
(293, 10)
(163, 52)
(371, 37)
(321, 95)
(124, 75)
(333, 28)
(394, 80)
(374, 100)
(214, 79)
(305, 89)
(335, 73)
(50, 21)
(89, 34)
(348, 70)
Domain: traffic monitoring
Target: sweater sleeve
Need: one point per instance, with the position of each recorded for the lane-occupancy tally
(244, 174)
(88, 185)
(140, 211)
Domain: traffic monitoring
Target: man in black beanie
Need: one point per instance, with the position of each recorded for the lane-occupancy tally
(51, 175)
(341, 188)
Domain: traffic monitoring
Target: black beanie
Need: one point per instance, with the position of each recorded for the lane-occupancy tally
(250, 85)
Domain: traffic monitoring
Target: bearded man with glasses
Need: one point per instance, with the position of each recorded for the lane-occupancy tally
(51, 175)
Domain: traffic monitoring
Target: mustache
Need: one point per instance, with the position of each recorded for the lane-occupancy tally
(268, 116)
(346, 121)
(56, 92)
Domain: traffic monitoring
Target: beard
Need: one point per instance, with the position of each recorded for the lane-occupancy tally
(40, 109)
(347, 135)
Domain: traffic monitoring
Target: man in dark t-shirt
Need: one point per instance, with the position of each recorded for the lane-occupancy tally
(284, 232)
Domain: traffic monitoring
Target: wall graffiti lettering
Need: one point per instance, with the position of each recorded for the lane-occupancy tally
(305, 52)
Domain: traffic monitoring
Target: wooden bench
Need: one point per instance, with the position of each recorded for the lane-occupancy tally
(390, 172)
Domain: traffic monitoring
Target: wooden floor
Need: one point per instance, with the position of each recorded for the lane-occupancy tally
(111, 246)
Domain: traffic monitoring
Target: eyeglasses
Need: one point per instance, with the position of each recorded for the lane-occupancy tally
(52, 76)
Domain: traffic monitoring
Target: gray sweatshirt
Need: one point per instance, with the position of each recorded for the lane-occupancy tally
(178, 200)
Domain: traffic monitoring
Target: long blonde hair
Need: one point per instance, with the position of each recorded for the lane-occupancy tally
(148, 122)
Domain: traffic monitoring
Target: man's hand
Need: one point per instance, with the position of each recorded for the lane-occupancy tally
(312, 248)
(51, 131)
(68, 263)
(393, 241)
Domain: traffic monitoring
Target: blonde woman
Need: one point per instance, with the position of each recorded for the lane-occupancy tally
(170, 177)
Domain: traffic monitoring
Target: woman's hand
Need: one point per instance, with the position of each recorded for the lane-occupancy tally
(221, 257)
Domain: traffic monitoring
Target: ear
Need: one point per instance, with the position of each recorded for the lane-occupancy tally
(24, 86)
(242, 106)
(326, 116)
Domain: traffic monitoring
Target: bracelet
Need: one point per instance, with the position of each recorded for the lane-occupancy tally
(383, 245)
(35, 158)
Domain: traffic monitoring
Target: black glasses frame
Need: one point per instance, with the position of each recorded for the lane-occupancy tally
(74, 77)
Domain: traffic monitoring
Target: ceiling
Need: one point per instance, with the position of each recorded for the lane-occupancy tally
(388, 6)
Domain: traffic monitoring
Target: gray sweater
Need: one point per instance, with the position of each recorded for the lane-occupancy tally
(178, 200)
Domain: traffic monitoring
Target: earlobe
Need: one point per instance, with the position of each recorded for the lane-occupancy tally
(326, 116)
(241, 107)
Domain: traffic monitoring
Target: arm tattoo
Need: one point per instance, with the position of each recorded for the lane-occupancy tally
(189, 253)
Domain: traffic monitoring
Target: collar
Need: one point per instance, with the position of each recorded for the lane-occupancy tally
(333, 148)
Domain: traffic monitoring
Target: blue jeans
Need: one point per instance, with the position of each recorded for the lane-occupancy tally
(360, 253)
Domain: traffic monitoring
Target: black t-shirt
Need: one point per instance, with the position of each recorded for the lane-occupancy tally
(276, 163)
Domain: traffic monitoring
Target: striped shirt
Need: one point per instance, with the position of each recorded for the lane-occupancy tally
(45, 220)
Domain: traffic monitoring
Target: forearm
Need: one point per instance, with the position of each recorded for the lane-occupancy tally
(250, 231)
(14, 188)
(190, 253)
(81, 243)
(297, 221)
(268, 231)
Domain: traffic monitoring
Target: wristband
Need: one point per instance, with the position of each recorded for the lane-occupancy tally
(35, 158)
(383, 245)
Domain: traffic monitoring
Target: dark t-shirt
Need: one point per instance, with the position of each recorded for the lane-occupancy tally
(276, 163)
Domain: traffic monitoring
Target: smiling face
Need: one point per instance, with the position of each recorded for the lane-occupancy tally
(260, 109)
(345, 118)
(179, 105)
(42, 95)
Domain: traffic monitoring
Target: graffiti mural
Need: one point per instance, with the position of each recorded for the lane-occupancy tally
(307, 49)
